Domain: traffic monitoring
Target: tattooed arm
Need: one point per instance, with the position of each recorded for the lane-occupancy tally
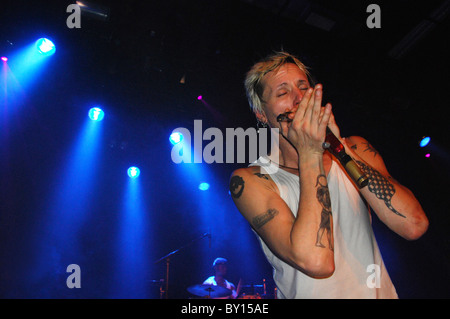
(394, 204)
(306, 241)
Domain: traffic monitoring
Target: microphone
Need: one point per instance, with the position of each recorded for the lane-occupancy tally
(335, 147)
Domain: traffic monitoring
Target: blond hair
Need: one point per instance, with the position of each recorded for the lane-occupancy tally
(253, 80)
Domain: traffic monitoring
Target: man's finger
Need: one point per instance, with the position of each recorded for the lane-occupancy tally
(315, 108)
(300, 114)
(333, 126)
(314, 105)
(324, 121)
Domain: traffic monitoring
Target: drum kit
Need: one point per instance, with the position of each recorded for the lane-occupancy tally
(217, 292)
(209, 291)
(205, 290)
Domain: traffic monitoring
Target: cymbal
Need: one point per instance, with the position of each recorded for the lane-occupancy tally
(210, 291)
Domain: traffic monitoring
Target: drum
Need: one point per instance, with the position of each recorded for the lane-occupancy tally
(209, 291)
(244, 296)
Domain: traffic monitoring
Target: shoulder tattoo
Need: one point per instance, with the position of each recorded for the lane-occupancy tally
(236, 186)
(260, 175)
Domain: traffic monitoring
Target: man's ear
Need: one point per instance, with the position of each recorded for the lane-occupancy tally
(261, 116)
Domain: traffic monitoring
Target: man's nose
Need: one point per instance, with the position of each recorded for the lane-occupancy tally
(298, 96)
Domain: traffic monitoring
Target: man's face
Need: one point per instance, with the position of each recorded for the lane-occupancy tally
(221, 269)
(283, 91)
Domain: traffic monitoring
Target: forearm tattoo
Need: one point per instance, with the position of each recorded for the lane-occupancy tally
(236, 186)
(260, 220)
(323, 196)
(380, 186)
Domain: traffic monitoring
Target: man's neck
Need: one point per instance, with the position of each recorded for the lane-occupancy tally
(219, 279)
(284, 153)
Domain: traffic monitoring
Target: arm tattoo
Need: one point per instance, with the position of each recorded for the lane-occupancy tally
(323, 196)
(236, 186)
(370, 148)
(380, 186)
(260, 220)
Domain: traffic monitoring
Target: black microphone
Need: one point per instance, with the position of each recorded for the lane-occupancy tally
(335, 147)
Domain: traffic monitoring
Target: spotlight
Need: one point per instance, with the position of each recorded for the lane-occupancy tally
(4, 59)
(203, 186)
(427, 155)
(93, 11)
(133, 172)
(45, 46)
(96, 114)
(199, 97)
(175, 138)
(424, 142)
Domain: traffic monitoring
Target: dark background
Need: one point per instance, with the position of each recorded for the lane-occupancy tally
(132, 63)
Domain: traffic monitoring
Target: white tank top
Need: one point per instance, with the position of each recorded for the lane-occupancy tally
(359, 267)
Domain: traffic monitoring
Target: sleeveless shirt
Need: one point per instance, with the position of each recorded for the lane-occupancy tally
(360, 272)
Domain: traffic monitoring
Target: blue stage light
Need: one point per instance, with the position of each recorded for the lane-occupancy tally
(134, 172)
(175, 138)
(96, 114)
(424, 142)
(45, 46)
(203, 186)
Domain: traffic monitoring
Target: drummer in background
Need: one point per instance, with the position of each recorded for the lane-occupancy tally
(220, 270)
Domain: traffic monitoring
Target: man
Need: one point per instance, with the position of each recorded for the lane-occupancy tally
(220, 271)
(311, 219)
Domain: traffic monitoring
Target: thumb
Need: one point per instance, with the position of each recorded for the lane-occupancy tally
(332, 125)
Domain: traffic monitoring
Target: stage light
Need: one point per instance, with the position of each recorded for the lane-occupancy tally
(203, 186)
(175, 138)
(199, 97)
(4, 59)
(92, 10)
(424, 142)
(427, 155)
(133, 172)
(96, 114)
(45, 46)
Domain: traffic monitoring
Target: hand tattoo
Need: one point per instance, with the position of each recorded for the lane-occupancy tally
(380, 186)
(323, 196)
